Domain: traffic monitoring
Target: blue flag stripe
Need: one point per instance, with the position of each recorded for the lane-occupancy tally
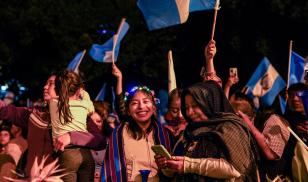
(164, 13)
(297, 68)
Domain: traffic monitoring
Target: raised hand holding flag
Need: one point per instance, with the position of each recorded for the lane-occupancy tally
(109, 51)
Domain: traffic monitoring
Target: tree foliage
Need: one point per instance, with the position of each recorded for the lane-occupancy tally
(39, 36)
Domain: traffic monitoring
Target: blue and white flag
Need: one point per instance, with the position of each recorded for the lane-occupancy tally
(283, 104)
(101, 95)
(297, 68)
(265, 83)
(74, 64)
(199, 5)
(104, 53)
(164, 13)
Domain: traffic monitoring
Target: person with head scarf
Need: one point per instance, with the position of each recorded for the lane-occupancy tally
(217, 144)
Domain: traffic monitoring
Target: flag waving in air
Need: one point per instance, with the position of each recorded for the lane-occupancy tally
(171, 73)
(297, 68)
(101, 95)
(163, 13)
(265, 83)
(104, 53)
(74, 64)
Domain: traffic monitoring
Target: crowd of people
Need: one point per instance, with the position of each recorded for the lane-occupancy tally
(211, 134)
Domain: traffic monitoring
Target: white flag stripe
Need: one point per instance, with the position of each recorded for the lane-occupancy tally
(171, 73)
(265, 82)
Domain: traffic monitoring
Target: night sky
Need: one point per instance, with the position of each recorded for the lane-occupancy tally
(246, 31)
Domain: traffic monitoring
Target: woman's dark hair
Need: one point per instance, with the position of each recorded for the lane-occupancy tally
(175, 93)
(137, 132)
(67, 84)
(238, 96)
(102, 108)
(298, 87)
(6, 127)
(210, 98)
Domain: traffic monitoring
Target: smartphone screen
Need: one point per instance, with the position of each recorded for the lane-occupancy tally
(233, 72)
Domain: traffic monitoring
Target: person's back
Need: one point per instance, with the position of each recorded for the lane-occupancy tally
(79, 109)
(70, 105)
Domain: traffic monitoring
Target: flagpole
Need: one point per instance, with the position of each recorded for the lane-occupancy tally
(297, 137)
(115, 39)
(215, 17)
(171, 73)
(79, 61)
(290, 53)
(289, 67)
(121, 24)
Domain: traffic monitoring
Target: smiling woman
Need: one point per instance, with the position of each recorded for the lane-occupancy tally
(130, 144)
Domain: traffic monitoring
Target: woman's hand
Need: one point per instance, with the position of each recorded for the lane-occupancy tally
(161, 161)
(116, 72)
(210, 50)
(232, 80)
(62, 141)
(245, 118)
(176, 163)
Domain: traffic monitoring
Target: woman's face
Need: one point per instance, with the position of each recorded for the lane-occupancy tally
(49, 89)
(193, 111)
(175, 108)
(4, 137)
(295, 102)
(141, 108)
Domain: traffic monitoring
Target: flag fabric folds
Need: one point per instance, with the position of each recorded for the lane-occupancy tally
(74, 64)
(101, 95)
(104, 52)
(265, 83)
(297, 68)
(199, 5)
(163, 13)
(171, 73)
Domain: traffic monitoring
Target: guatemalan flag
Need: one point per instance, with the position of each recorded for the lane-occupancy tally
(74, 64)
(101, 95)
(265, 83)
(163, 13)
(103, 53)
(297, 68)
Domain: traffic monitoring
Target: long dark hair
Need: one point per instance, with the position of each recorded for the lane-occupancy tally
(67, 84)
(135, 129)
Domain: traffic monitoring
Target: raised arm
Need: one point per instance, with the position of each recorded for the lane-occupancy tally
(209, 53)
(273, 145)
(231, 81)
(120, 103)
(208, 70)
(118, 74)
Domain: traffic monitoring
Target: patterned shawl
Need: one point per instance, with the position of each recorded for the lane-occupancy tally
(223, 125)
